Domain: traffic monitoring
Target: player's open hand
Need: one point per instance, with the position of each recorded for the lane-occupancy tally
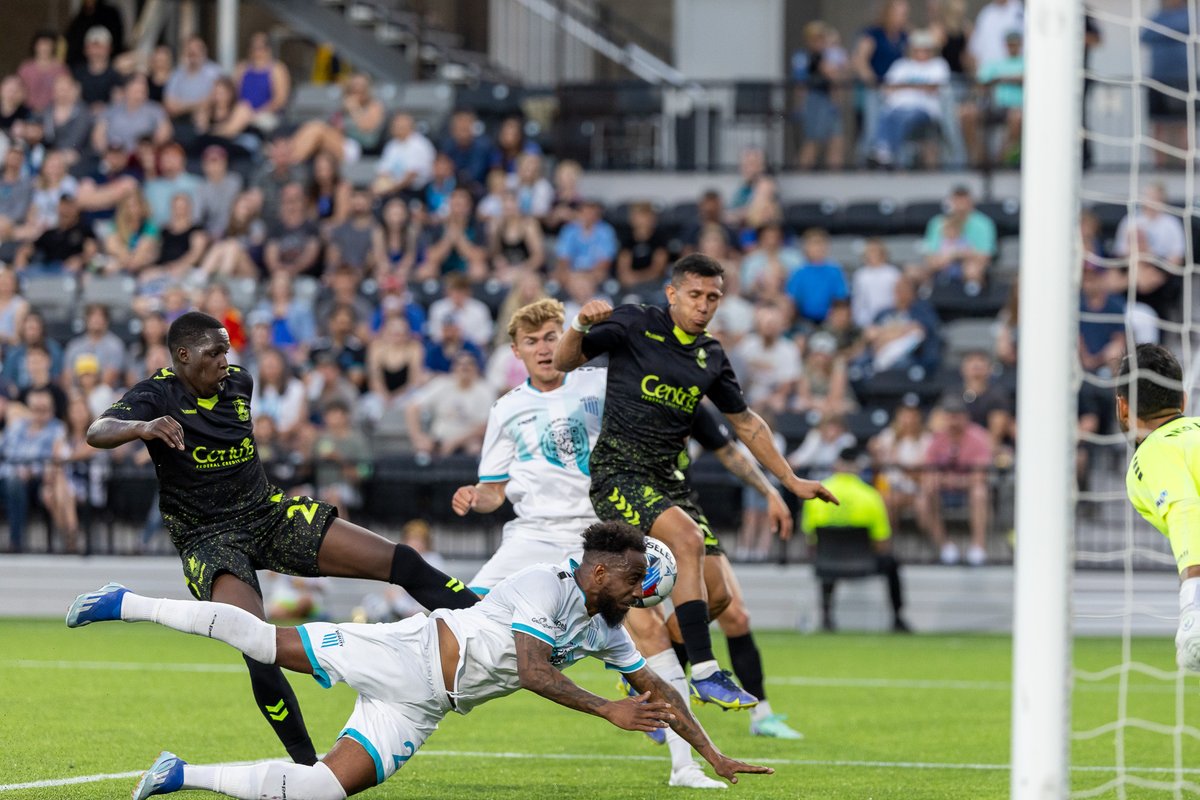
(810, 490)
(167, 429)
(728, 768)
(595, 311)
(464, 500)
(637, 714)
(780, 516)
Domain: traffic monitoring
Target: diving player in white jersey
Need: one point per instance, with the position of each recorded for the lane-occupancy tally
(535, 451)
(410, 674)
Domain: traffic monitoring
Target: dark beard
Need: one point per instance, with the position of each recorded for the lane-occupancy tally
(612, 612)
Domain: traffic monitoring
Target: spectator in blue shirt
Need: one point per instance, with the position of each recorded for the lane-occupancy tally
(903, 336)
(819, 281)
(589, 244)
(471, 153)
(439, 356)
(27, 447)
(1168, 65)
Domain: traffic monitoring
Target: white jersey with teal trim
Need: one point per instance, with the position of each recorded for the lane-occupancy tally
(542, 601)
(540, 443)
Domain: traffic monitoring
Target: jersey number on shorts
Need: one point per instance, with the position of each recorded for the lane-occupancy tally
(309, 510)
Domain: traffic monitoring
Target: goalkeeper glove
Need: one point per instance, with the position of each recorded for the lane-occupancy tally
(1187, 639)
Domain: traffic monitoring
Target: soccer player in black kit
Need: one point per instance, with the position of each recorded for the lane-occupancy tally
(227, 521)
(661, 362)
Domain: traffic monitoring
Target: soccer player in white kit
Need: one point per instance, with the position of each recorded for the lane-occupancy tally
(535, 451)
(410, 674)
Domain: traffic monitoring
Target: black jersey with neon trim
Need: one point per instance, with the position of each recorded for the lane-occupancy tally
(216, 483)
(657, 375)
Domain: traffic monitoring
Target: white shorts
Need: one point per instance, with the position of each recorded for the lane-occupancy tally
(396, 668)
(528, 542)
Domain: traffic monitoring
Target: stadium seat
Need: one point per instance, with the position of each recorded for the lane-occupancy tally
(114, 292)
(964, 335)
(952, 303)
(1005, 213)
(1008, 259)
(846, 250)
(793, 428)
(903, 249)
(890, 388)
(52, 295)
(870, 218)
(243, 293)
(801, 216)
(916, 215)
(1109, 215)
(865, 423)
(844, 552)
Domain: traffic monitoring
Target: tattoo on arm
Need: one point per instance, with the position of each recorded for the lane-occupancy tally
(744, 469)
(684, 724)
(536, 675)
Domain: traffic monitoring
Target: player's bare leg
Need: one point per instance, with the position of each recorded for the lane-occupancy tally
(709, 683)
(351, 551)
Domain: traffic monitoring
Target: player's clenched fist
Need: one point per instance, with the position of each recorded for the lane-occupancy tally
(593, 312)
(166, 428)
(464, 500)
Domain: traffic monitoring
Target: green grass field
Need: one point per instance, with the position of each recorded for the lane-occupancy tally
(885, 717)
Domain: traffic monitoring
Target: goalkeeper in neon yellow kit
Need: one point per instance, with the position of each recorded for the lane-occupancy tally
(1163, 480)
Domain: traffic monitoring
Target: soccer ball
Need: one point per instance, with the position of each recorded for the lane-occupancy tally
(660, 573)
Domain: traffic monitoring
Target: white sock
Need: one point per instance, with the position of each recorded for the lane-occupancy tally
(760, 711)
(220, 621)
(666, 665)
(703, 670)
(275, 780)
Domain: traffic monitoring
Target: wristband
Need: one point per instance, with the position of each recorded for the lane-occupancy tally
(576, 325)
(1189, 593)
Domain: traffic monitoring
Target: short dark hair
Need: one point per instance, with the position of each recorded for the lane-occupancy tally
(612, 537)
(696, 264)
(189, 329)
(1159, 380)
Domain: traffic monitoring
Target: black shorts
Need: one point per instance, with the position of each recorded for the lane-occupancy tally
(286, 538)
(637, 500)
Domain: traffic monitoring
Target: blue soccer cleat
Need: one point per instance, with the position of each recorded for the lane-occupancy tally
(658, 735)
(164, 776)
(102, 605)
(720, 690)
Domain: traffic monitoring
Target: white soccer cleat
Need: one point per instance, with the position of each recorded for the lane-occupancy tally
(692, 777)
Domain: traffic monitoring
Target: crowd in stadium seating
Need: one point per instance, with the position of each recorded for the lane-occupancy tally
(373, 316)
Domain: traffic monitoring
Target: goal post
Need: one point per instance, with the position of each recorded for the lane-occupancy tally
(1046, 401)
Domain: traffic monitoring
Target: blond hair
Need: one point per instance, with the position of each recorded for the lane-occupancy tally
(533, 316)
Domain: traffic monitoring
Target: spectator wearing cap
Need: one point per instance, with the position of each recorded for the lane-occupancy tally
(898, 452)
(470, 151)
(264, 83)
(819, 281)
(95, 73)
(999, 102)
(768, 362)
(823, 386)
(67, 121)
(861, 506)
(294, 242)
(99, 341)
(456, 406)
(352, 243)
(911, 99)
(40, 70)
(16, 195)
(406, 165)
(191, 83)
(903, 336)
(347, 349)
(134, 117)
(459, 243)
(874, 283)
(98, 395)
(586, 245)
(956, 466)
(172, 179)
(218, 192)
(472, 314)
(959, 244)
(68, 245)
(27, 447)
(93, 14)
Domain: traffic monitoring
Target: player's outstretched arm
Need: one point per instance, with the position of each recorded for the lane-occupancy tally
(753, 431)
(749, 473)
(646, 681)
(568, 354)
(538, 676)
(107, 432)
(482, 498)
